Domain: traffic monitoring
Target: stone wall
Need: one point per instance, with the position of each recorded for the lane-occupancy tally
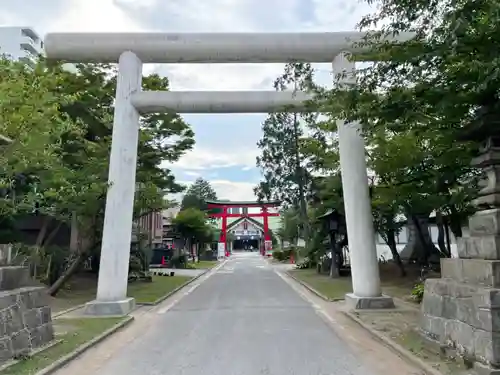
(462, 309)
(25, 316)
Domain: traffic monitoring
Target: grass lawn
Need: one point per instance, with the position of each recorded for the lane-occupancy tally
(204, 264)
(82, 289)
(392, 283)
(150, 292)
(331, 288)
(73, 333)
(79, 290)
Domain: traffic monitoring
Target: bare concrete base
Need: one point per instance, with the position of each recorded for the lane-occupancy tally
(110, 308)
(368, 303)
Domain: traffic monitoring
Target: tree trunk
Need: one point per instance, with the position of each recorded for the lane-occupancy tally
(43, 231)
(334, 264)
(72, 269)
(334, 267)
(390, 240)
(84, 245)
(52, 235)
(447, 234)
(441, 234)
(455, 222)
(419, 247)
(73, 242)
(301, 178)
(38, 245)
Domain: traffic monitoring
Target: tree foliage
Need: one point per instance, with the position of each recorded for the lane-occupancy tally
(57, 166)
(193, 225)
(413, 103)
(197, 194)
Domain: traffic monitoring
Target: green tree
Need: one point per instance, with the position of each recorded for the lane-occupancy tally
(281, 160)
(29, 115)
(163, 138)
(197, 194)
(192, 225)
(415, 100)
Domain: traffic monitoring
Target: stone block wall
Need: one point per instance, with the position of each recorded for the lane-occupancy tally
(25, 315)
(463, 316)
(462, 309)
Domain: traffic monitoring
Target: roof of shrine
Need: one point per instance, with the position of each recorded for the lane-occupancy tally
(241, 219)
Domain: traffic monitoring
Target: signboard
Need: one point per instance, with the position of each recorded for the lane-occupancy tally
(269, 248)
(221, 251)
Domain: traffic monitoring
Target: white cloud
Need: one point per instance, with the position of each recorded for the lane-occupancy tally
(192, 174)
(230, 77)
(93, 16)
(195, 15)
(203, 158)
(235, 191)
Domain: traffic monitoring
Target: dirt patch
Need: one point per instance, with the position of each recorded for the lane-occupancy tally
(402, 327)
(79, 290)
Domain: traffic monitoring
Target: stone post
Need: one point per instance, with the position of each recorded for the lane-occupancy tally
(462, 309)
(117, 232)
(367, 292)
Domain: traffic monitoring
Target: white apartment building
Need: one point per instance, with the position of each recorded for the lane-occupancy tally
(20, 43)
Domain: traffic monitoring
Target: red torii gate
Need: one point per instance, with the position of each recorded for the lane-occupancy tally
(221, 208)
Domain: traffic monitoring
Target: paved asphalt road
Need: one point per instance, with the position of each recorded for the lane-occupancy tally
(243, 320)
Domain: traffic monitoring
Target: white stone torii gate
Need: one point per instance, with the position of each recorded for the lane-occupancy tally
(132, 50)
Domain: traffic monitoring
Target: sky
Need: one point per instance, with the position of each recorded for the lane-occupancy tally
(225, 149)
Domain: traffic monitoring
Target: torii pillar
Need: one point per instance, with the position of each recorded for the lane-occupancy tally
(223, 232)
(268, 243)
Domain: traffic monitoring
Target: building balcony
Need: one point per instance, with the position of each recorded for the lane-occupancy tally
(31, 47)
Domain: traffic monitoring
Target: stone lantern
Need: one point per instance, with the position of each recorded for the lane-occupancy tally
(334, 223)
(462, 309)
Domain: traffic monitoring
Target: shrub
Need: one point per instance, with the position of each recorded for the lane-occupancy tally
(287, 253)
(418, 292)
(278, 255)
(303, 264)
(179, 261)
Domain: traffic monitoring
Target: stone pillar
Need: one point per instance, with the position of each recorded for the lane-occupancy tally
(362, 249)
(462, 309)
(117, 233)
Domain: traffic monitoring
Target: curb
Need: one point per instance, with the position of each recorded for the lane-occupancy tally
(312, 290)
(67, 311)
(402, 352)
(61, 362)
(39, 350)
(169, 294)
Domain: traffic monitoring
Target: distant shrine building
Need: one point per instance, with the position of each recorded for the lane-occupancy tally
(247, 232)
